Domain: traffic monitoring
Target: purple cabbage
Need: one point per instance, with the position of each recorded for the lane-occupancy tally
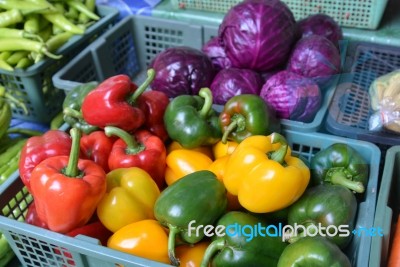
(258, 34)
(181, 70)
(233, 81)
(214, 50)
(323, 25)
(292, 96)
(315, 57)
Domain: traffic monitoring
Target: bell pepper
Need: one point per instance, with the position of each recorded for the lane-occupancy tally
(72, 105)
(221, 149)
(206, 150)
(190, 255)
(153, 104)
(130, 197)
(218, 168)
(243, 249)
(93, 229)
(67, 189)
(181, 162)
(327, 205)
(146, 239)
(143, 150)
(38, 148)
(32, 217)
(198, 197)
(97, 146)
(340, 164)
(246, 115)
(191, 120)
(114, 103)
(313, 251)
(264, 175)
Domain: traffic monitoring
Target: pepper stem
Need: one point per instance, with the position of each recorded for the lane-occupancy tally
(12, 99)
(132, 146)
(72, 168)
(213, 248)
(237, 123)
(339, 178)
(279, 155)
(67, 111)
(151, 73)
(173, 230)
(291, 236)
(208, 100)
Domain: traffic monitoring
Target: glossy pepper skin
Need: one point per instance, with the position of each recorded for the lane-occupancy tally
(264, 175)
(246, 115)
(93, 229)
(153, 104)
(67, 189)
(176, 208)
(340, 164)
(130, 197)
(97, 146)
(72, 107)
(181, 162)
(146, 238)
(326, 205)
(313, 251)
(143, 150)
(191, 121)
(237, 249)
(38, 148)
(113, 102)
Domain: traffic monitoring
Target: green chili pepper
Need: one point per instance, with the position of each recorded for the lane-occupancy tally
(191, 121)
(243, 246)
(24, 63)
(56, 41)
(5, 66)
(340, 164)
(198, 198)
(15, 44)
(16, 57)
(72, 107)
(61, 21)
(10, 17)
(17, 33)
(246, 115)
(327, 205)
(25, 5)
(91, 5)
(5, 116)
(32, 24)
(83, 9)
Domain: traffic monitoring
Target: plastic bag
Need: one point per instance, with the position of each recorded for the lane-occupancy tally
(385, 101)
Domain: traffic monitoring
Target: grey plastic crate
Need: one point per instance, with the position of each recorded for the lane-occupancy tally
(135, 41)
(37, 247)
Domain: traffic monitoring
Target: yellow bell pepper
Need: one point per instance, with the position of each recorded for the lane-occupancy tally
(218, 168)
(181, 162)
(146, 239)
(191, 255)
(130, 197)
(206, 150)
(264, 175)
(221, 149)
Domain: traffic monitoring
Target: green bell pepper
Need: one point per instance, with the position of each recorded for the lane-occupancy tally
(191, 120)
(340, 164)
(313, 251)
(197, 199)
(246, 115)
(324, 207)
(244, 245)
(72, 107)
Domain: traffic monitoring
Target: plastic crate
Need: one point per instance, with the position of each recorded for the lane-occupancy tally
(350, 110)
(36, 247)
(365, 14)
(34, 87)
(135, 41)
(387, 208)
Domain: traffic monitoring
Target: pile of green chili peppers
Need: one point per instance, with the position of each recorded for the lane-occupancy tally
(31, 30)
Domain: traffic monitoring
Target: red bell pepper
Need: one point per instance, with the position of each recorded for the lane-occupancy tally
(38, 148)
(94, 229)
(154, 104)
(67, 189)
(32, 217)
(143, 150)
(113, 102)
(97, 146)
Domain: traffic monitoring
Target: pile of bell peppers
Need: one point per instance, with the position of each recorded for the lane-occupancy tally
(146, 167)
